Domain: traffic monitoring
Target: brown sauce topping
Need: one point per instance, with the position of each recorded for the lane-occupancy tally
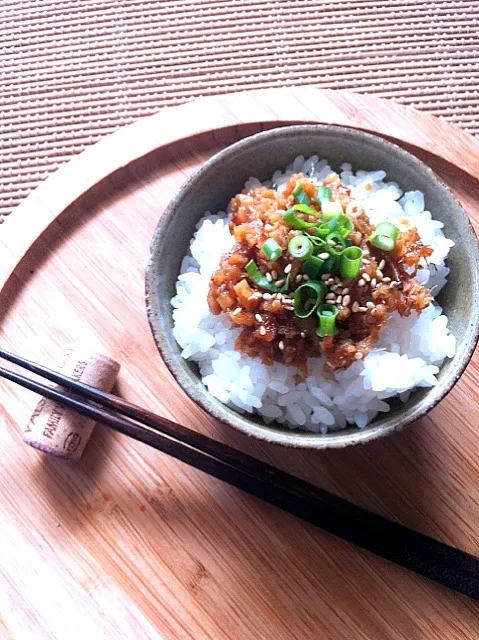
(271, 330)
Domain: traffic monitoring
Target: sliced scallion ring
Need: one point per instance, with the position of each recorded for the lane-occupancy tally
(261, 280)
(385, 236)
(300, 247)
(295, 222)
(308, 297)
(331, 208)
(300, 195)
(312, 266)
(306, 209)
(324, 193)
(350, 263)
(327, 320)
(272, 250)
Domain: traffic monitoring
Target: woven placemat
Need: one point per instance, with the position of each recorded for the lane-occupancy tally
(75, 70)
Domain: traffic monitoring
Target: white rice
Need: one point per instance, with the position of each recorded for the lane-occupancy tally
(408, 355)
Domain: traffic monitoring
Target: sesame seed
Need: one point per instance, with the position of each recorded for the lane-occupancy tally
(302, 334)
(306, 277)
(365, 261)
(298, 278)
(268, 227)
(325, 276)
(370, 305)
(358, 355)
(373, 283)
(331, 296)
(269, 277)
(274, 274)
(334, 287)
(382, 264)
(366, 277)
(262, 330)
(258, 317)
(361, 282)
(393, 283)
(339, 299)
(346, 300)
(279, 283)
(355, 307)
(324, 255)
(278, 296)
(379, 274)
(281, 345)
(331, 241)
(287, 268)
(362, 309)
(288, 307)
(386, 279)
(236, 311)
(267, 296)
(345, 291)
(330, 281)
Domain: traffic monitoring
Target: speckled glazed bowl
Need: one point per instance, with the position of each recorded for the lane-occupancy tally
(224, 175)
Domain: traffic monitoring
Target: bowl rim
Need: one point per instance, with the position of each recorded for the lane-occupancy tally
(299, 438)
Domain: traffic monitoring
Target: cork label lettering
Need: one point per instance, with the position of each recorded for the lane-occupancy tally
(52, 423)
(35, 414)
(80, 367)
(72, 442)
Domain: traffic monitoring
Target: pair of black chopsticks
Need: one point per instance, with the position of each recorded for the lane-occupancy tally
(446, 565)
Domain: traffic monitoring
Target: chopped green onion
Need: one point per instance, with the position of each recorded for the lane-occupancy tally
(385, 236)
(308, 297)
(304, 208)
(300, 195)
(331, 264)
(350, 263)
(327, 320)
(272, 250)
(388, 229)
(331, 208)
(260, 279)
(300, 247)
(335, 238)
(293, 221)
(324, 193)
(382, 242)
(312, 266)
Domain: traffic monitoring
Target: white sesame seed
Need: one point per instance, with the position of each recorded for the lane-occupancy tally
(258, 317)
(334, 287)
(365, 261)
(267, 296)
(302, 334)
(386, 280)
(281, 345)
(346, 300)
(355, 307)
(373, 283)
(379, 274)
(370, 305)
(287, 268)
(236, 311)
(274, 274)
(306, 277)
(330, 281)
(331, 296)
(288, 307)
(382, 264)
(366, 277)
(324, 255)
(269, 277)
(268, 227)
(345, 291)
(339, 299)
(361, 282)
(262, 330)
(325, 276)
(362, 309)
(298, 278)
(278, 296)
(358, 355)
(279, 283)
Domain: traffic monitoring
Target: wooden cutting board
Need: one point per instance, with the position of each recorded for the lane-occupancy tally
(131, 544)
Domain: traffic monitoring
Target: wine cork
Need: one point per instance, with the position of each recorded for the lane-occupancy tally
(62, 432)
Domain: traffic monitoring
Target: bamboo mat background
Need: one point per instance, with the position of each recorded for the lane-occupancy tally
(73, 71)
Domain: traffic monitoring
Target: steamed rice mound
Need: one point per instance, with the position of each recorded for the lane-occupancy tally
(408, 354)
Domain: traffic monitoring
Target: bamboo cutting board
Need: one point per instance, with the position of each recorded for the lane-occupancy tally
(131, 544)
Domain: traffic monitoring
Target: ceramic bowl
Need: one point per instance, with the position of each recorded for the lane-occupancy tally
(224, 175)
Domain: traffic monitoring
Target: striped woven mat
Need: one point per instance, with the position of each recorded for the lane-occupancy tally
(75, 70)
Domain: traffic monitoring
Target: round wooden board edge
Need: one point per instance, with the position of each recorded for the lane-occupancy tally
(204, 115)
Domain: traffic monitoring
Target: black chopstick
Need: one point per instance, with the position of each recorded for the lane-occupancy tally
(446, 565)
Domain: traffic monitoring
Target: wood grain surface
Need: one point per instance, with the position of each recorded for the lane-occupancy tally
(131, 544)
